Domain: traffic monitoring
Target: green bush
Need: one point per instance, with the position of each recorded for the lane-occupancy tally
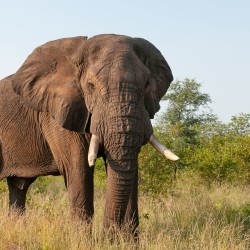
(156, 174)
(224, 159)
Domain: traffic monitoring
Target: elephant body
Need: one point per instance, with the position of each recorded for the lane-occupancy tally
(33, 144)
(68, 89)
(25, 151)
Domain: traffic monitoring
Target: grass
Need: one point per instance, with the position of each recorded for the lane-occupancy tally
(191, 217)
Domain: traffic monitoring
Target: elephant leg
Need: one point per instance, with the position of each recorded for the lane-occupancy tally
(80, 184)
(132, 215)
(70, 152)
(18, 188)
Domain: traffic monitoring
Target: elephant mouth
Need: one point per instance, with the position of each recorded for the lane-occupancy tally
(94, 148)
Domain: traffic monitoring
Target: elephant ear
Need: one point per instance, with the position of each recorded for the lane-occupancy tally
(48, 81)
(160, 74)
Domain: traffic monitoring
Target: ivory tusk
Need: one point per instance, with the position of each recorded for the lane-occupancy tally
(162, 149)
(93, 150)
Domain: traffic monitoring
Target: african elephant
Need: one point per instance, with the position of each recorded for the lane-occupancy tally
(107, 86)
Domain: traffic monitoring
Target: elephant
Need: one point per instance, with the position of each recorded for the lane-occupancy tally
(73, 100)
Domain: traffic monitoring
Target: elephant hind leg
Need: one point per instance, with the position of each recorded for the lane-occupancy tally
(18, 187)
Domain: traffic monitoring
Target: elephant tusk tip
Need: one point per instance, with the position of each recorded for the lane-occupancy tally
(170, 155)
(91, 162)
(162, 149)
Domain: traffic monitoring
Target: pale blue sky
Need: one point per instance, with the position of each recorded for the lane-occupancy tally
(205, 40)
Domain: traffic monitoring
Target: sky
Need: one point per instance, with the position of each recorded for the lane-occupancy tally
(208, 41)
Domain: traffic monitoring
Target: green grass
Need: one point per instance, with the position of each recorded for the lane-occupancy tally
(191, 217)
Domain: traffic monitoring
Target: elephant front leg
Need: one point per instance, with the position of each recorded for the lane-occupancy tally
(80, 185)
(70, 152)
(18, 188)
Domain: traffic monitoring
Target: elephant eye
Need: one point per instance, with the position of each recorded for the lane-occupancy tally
(147, 84)
(91, 86)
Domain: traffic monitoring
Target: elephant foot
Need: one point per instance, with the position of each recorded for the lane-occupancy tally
(116, 233)
(79, 215)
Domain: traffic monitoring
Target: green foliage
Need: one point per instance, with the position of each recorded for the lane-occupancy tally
(3, 186)
(223, 159)
(41, 184)
(187, 108)
(185, 101)
(240, 125)
(100, 175)
(208, 149)
(155, 173)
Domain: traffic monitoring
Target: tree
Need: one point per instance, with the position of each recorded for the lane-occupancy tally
(209, 149)
(187, 108)
(240, 125)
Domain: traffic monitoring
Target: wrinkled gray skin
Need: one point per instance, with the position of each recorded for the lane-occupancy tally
(109, 85)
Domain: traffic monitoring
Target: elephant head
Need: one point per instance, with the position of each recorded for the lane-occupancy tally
(108, 85)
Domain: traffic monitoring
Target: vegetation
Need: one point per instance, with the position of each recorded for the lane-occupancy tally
(210, 151)
(190, 217)
(200, 202)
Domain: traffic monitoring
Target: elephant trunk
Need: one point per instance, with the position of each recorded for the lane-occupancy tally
(121, 180)
(122, 144)
(122, 128)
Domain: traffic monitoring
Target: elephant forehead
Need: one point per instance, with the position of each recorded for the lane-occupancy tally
(120, 70)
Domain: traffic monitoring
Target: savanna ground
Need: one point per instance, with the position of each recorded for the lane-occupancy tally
(189, 217)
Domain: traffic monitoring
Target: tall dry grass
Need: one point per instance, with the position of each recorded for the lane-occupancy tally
(190, 217)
